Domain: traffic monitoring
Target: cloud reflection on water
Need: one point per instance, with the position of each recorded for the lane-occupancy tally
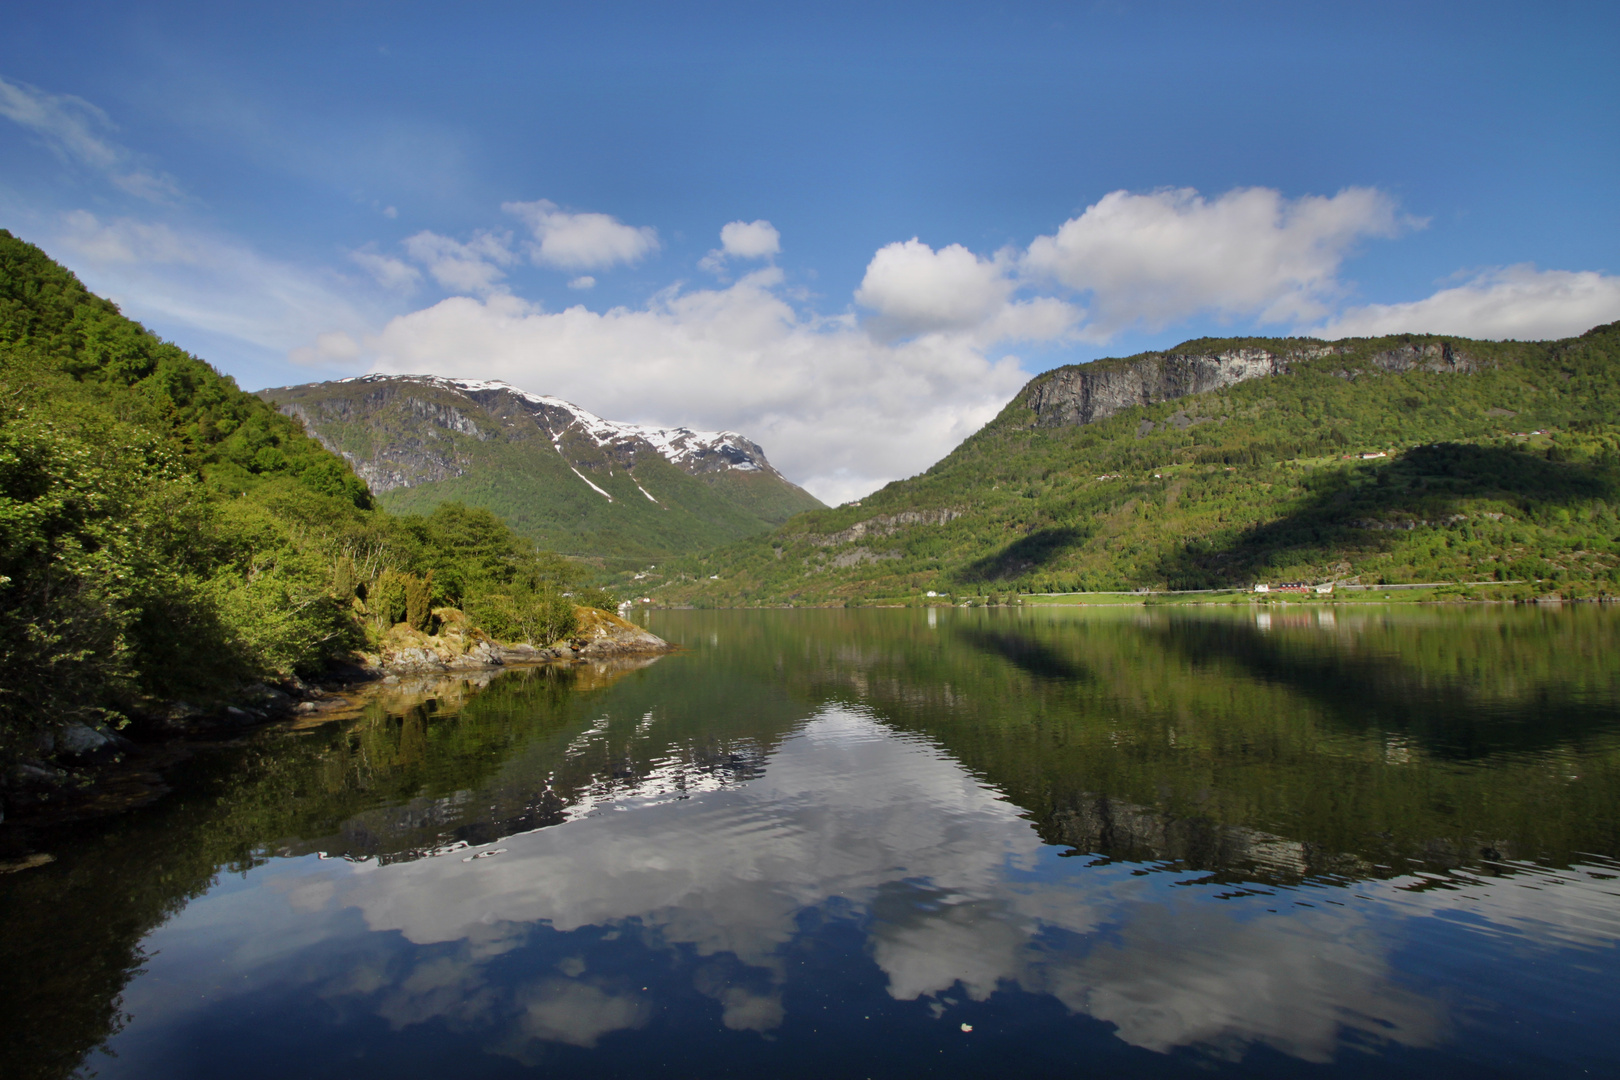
(951, 879)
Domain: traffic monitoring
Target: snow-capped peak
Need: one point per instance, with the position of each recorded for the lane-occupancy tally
(679, 445)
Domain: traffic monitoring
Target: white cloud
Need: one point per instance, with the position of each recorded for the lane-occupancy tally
(584, 281)
(336, 345)
(743, 240)
(915, 289)
(835, 409)
(176, 276)
(1513, 302)
(472, 267)
(1157, 258)
(78, 131)
(391, 273)
(587, 241)
(750, 239)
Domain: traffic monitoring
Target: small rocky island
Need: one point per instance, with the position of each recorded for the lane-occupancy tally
(457, 646)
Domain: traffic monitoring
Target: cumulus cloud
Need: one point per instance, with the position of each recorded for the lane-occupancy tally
(743, 240)
(474, 266)
(584, 281)
(80, 133)
(750, 239)
(1518, 302)
(1153, 259)
(914, 288)
(836, 410)
(583, 241)
(911, 289)
(175, 276)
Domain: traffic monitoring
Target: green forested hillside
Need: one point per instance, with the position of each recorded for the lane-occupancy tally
(1503, 468)
(163, 533)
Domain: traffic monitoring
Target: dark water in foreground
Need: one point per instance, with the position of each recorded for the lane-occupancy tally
(881, 844)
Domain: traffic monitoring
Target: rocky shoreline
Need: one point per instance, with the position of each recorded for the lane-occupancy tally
(80, 771)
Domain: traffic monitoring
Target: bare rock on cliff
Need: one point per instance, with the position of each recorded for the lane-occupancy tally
(1086, 393)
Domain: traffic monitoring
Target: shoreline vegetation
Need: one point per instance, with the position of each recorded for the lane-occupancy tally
(1471, 592)
(177, 556)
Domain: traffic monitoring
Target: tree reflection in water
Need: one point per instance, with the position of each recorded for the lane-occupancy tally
(818, 841)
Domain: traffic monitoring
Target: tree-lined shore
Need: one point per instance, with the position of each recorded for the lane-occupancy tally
(168, 541)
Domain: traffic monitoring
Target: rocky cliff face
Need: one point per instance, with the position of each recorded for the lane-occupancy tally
(1086, 393)
(1436, 356)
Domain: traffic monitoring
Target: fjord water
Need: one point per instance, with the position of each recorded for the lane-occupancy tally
(1148, 841)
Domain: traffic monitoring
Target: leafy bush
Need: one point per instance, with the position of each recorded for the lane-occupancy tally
(597, 597)
(521, 613)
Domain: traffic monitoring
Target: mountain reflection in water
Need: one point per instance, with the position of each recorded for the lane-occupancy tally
(820, 843)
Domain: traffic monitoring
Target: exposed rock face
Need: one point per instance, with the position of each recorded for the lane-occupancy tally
(1086, 393)
(883, 525)
(1437, 356)
(401, 462)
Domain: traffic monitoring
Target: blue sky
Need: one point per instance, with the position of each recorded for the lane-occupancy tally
(537, 192)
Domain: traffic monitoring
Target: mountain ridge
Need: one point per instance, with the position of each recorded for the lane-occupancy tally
(555, 471)
(1224, 462)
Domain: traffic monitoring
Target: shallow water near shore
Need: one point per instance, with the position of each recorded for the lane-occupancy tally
(1362, 841)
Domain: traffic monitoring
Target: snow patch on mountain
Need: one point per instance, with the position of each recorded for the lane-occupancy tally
(594, 488)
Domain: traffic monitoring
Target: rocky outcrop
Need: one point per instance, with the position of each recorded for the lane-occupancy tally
(1436, 356)
(1086, 393)
(883, 525)
(457, 647)
(601, 634)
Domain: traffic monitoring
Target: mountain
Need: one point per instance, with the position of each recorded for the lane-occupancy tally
(166, 536)
(1226, 462)
(554, 472)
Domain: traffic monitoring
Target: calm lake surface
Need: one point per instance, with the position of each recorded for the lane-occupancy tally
(1138, 842)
